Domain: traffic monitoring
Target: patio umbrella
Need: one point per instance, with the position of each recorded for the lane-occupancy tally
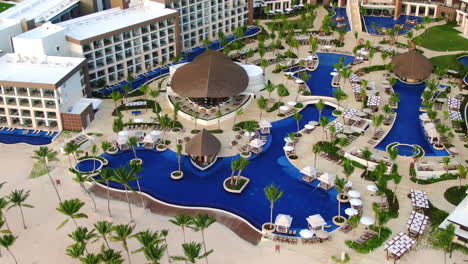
(309, 171)
(306, 233)
(256, 143)
(138, 120)
(372, 188)
(321, 234)
(351, 211)
(361, 114)
(299, 81)
(123, 133)
(354, 194)
(284, 108)
(314, 123)
(292, 103)
(333, 73)
(288, 148)
(355, 202)
(367, 220)
(348, 130)
(341, 136)
(308, 126)
(327, 47)
(247, 134)
(288, 140)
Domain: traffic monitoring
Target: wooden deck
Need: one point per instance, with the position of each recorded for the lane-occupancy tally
(237, 225)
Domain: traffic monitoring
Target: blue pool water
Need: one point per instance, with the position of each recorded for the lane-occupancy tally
(388, 22)
(186, 57)
(341, 11)
(17, 136)
(205, 188)
(405, 150)
(407, 128)
(464, 60)
(88, 165)
(320, 80)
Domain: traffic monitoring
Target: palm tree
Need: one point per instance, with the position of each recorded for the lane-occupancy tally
(133, 142)
(179, 154)
(366, 155)
(192, 252)
(154, 253)
(282, 91)
(340, 184)
(316, 148)
(219, 114)
(105, 145)
(104, 228)
(106, 176)
(273, 194)
(396, 180)
(4, 204)
(164, 233)
(250, 127)
(121, 234)
(339, 96)
(443, 239)
(91, 259)
(82, 235)
(67, 151)
(7, 241)
(75, 251)
(46, 155)
(110, 256)
(262, 105)
(323, 123)
(242, 165)
(238, 113)
(320, 106)
(446, 161)
(71, 208)
(146, 238)
(81, 179)
(17, 198)
(269, 87)
(123, 176)
(461, 173)
(183, 221)
(136, 168)
(200, 223)
(234, 168)
(297, 117)
(348, 168)
(376, 122)
(116, 96)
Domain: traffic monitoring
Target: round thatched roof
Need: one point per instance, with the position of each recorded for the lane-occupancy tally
(210, 75)
(203, 144)
(412, 65)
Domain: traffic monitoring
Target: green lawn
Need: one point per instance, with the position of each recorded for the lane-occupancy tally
(451, 62)
(455, 195)
(5, 6)
(444, 38)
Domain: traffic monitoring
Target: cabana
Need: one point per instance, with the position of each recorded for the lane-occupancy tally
(203, 149)
(315, 222)
(122, 142)
(264, 126)
(283, 223)
(431, 132)
(309, 173)
(327, 181)
(149, 141)
(256, 145)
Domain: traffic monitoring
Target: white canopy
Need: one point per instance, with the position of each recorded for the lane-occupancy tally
(306, 233)
(424, 117)
(257, 143)
(284, 108)
(354, 194)
(264, 124)
(328, 178)
(308, 126)
(283, 220)
(372, 188)
(155, 133)
(292, 103)
(299, 81)
(138, 120)
(351, 211)
(367, 220)
(309, 171)
(431, 130)
(316, 221)
(288, 148)
(355, 202)
(122, 141)
(123, 133)
(148, 139)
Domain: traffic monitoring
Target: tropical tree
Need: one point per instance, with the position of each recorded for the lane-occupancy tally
(461, 174)
(323, 123)
(136, 168)
(164, 233)
(146, 238)
(272, 194)
(339, 96)
(105, 145)
(116, 96)
(7, 241)
(123, 176)
(200, 223)
(219, 114)
(121, 234)
(71, 208)
(282, 91)
(184, 221)
(443, 239)
(262, 105)
(175, 110)
(91, 259)
(67, 151)
(348, 168)
(366, 154)
(340, 184)
(320, 106)
(46, 155)
(154, 253)
(75, 251)
(396, 180)
(81, 179)
(81, 235)
(179, 154)
(377, 121)
(242, 165)
(297, 117)
(238, 113)
(250, 127)
(110, 256)
(192, 252)
(104, 228)
(234, 168)
(106, 175)
(133, 142)
(269, 87)
(446, 161)
(18, 198)
(4, 204)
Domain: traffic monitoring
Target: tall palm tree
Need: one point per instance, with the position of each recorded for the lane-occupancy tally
(75, 251)
(91, 259)
(446, 161)
(396, 180)
(7, 241)
(110, 256)
(4, 204)
(183, 221)
(339, 96)
(81, 179)
(2, 231)
(46, 155)
(164, 233)
(18, 199)
(176, 109)
(219, 114)
(68, 151)
(377, 121)
(272, 194)
(146, 238)
(297, 117)
(262, 105)
(123, 176)
(82, 235)
(461, 173)
(316, 148)
(200, 223)
(71, 208)
(192, 252)
(154, 253)
(105, 145)
(242, 165)
(323, 123)
(133, 143)
(234, 168)
(121, 234)
(269, 87)
(106, 176)
(348, 168)
(340, 184)
(366, 155)
(116, 96)
(94, 153)
(136, 168)
(104, 228)
(320, 106)
(282, 91)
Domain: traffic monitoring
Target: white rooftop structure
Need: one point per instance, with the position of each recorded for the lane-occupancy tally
(39, 10)
(80, 105)
(7, 22)
(459, 217)
(40, 32)
(43, 70)
(110, 20)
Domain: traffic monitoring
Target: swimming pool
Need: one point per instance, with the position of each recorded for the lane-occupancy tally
(389, 22)
(205, 188)
(341, 11)
(320, 80)
(407, 128)
(88, 165)
(17, 136)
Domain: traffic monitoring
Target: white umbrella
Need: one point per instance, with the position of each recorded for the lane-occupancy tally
(292, 103)
(138, 120)
(355, 202)
(321, 234)
(247, 134)
(341, 136)
(123, 133)
(367, 110)
(155, 133)
(288, 140)
(327, 47)
(308, 126)
(367, 220)
(314, 123)
(333, 73)
(364, 52)
(309, 171)
(288, 148)
(372, 188)
(284, 108)
(257, 143)
(354, 194)
(351, 211)
(299, 81)
(306, 233)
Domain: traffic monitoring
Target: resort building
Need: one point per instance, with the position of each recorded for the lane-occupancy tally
(459, 218)
(44, 92)
(412, 67)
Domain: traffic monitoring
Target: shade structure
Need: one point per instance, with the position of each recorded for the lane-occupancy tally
(372, 188)
(327, 47)
(123, 133)
(333, 73)
(309, 171)
(424, 117)
(354, 194)
(367, 220)
(148, 139)
(203, 144)
(264, 124)
(306, 233)
(287, 139)
(355, 202)
(351, 211)
(210, 75)
(155, 133)
(291, 103)
(308, 126)
(316, 221)
(257, 143)
(299, 81)
(138, 120)
(284, 108)
(328, 178)
(122, 141)
(412, 65)
(321, 234)
(283, 220)
(314, 123)
(288, 148)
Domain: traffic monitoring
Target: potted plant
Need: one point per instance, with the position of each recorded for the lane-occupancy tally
(340, 184)
(272, 194)
(178, 174)
(236, 184)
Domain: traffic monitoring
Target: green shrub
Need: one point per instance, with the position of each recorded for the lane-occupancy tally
(436, 216)
(443, 177)
(455, 194)
(372, 243)
(275, 107)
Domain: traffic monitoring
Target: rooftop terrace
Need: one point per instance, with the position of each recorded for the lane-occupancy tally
(39, 10)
